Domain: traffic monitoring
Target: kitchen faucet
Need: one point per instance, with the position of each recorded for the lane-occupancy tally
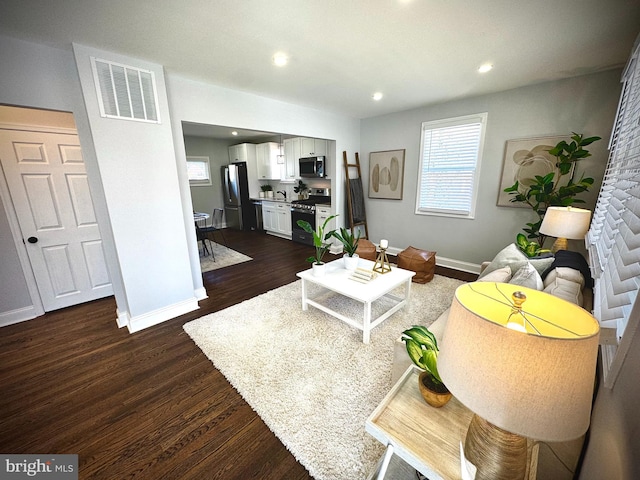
(284, 194)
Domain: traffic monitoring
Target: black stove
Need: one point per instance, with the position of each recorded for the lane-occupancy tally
(305, 210)
(308, 205)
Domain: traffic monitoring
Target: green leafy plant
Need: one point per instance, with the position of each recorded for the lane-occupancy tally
(549, 190)
(266, 187)
(348, 240)
(529, 248)
(301, 187)
(422, 348)
(320, 238)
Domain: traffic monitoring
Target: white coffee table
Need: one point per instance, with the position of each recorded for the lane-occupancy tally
(336, 279)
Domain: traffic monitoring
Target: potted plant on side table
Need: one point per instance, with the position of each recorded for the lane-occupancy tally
(422, 348)
(350, 245)
(320, 243)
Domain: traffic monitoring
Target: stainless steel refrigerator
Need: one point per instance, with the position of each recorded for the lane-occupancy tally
(238, 209)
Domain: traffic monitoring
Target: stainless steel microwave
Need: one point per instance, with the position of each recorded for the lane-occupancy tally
(312, 166)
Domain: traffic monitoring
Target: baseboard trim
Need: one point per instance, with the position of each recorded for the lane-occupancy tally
(122, 318)
(18, 315)
(201, 293)
(445, 262)
(150, 319)
(458, 265)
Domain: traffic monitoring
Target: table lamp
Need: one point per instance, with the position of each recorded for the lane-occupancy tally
(523, 362)
(565, 223)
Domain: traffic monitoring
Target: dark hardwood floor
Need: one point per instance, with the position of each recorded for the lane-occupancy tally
(147, 405)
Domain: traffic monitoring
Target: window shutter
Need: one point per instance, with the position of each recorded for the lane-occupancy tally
(125, 92)
(613, 239)
(449, 165)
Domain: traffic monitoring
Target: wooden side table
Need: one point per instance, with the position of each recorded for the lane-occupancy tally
(425, 437)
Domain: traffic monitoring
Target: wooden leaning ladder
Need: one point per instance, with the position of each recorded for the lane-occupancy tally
(350, 198)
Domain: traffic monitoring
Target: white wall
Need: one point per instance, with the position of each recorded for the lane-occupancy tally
(140, 182)
(585, 105)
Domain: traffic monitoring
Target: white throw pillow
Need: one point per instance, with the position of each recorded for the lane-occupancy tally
(501, 275)
(565, 283)
(528, 277)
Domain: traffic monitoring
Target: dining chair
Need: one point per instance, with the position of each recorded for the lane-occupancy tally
(202, 237)
(216, 226)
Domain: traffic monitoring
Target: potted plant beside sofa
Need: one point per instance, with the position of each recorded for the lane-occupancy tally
(320, 242)
(350, 245)
(422, 348)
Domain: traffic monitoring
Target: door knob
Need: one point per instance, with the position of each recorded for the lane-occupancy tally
(32, 239)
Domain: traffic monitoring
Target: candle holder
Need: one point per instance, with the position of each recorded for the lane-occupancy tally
(382, 264)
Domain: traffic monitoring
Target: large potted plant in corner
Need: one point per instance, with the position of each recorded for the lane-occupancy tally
(350, 245)
(320, 242)
(551, 190)
(422, 348)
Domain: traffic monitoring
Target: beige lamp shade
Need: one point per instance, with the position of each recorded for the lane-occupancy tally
(566, 222)
(537, 384)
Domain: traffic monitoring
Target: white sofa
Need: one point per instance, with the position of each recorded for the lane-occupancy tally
(511, 266)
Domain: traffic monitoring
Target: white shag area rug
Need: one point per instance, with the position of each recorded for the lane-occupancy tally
(222, 257)
(308, 375)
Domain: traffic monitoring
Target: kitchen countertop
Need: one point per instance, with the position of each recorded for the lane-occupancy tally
(278, 200)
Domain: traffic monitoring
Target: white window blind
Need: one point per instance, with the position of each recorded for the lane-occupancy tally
(614, 236)
(449, 165)
(125, 92)
(198, 171)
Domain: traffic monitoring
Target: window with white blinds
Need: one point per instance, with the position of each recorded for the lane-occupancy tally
(614, 236)
(125, 92)
(449, 166)
(198, 171)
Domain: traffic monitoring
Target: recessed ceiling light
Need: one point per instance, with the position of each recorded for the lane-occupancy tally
(234, 133)
(280, 59)
(485, 68)
(377, 96)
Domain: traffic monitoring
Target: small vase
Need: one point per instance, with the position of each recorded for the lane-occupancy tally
(435, 399)
(261, 194)
(318, 269)
(351, 263)
(269, 193)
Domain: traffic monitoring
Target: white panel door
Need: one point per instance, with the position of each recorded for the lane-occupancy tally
(48, 185)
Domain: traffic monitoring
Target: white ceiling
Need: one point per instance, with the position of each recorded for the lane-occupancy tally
(417, 52)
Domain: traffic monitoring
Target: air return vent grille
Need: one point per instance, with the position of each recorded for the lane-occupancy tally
(125, 92)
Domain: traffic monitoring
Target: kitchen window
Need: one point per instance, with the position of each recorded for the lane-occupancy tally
(451, 151)
(198, 171)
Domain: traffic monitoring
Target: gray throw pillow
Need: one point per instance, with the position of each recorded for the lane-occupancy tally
(513, 257)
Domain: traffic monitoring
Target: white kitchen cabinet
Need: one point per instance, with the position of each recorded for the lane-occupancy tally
(284, 219)
(276, 218)
(291, 155)
(313, 147)
(322, 213)
(246, 152)
(269, 216)
(267, 160)
(243, 152)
